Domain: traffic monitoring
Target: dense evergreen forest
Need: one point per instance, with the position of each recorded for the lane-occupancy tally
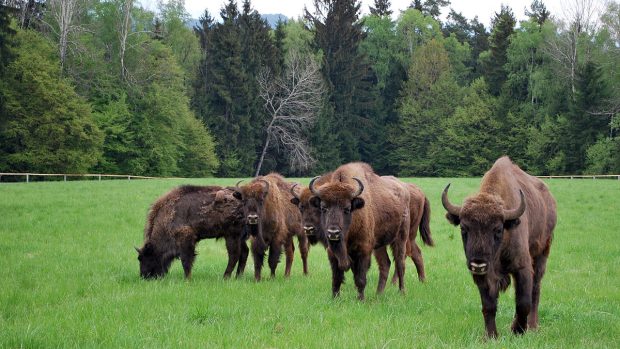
(106, 86)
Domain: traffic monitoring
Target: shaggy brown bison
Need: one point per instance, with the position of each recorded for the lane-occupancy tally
(310, 215)
(507, 229)
(272, 221)
(360, 212)
(184, 216)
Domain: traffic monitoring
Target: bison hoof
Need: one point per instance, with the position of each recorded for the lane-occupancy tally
(518, 329)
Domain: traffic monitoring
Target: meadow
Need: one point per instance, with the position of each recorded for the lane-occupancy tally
(69, 278)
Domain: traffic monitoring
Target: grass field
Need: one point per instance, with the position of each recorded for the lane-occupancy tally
(69, 278)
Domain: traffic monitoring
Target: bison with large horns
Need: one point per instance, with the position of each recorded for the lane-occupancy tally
(507, 229)
(184, 216)
(361, 212)
(272, 221)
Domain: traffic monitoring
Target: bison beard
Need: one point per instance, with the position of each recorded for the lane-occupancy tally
(507, 229)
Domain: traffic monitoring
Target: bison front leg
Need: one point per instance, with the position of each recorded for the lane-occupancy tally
(383, 261)
(302, 242)
(523, 298)
(337, 274)
(275, 249)
(234, 251)
(188, 251)
(258, 252)
(489, 309)
(243, 257)
(361, 263)
(289, 251)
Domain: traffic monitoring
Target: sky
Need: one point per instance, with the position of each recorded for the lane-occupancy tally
(484, 9)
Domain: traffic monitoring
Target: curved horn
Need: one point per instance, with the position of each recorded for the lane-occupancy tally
(452, 209)
(361, 187)
(137, 249)
(517, 212)
(293, 191)
(266, 186)
(237, 185)
(311, 185)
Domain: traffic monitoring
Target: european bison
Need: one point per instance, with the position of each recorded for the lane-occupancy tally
(507, 229)
(184, 216)
(272, 221)
(360, 212)
(310, 215)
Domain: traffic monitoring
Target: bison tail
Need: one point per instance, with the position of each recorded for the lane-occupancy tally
(425, 228)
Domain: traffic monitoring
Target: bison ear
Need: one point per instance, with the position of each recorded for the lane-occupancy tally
(453, 219)
(357, 203)
(295, 201)
(511, 223)
(315, 201)
(237, 195)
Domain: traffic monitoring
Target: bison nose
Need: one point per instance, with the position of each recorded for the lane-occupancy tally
(252, 219)
(478, 267)
(309, 230)
(334, 234)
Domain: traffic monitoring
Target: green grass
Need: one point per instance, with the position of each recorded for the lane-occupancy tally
(69, 278)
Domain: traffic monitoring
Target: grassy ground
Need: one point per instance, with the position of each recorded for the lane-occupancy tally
(69, 278)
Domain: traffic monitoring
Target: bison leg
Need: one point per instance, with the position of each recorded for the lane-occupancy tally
(399, 261)
(489, 309)
(188, 255)
(289, 251)
(258, 252)
(540, 264)
(243, 257)
(383, 261)
(360, 267)
(275, 249)
(337, 274)
(416, 256)
(523, 297)
(302, 241)
(234, 251)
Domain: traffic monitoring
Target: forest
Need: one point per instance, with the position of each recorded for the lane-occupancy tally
(107, 86)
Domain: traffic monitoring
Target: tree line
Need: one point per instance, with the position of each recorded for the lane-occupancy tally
(108, 86)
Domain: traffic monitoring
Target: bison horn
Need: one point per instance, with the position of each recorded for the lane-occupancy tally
(452, 209)
(237, 185)
(137, 249)
(513, 214)
(293, 191)
(266, 186)
(311, 185)
(361, 187)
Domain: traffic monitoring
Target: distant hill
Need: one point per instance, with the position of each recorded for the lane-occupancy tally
(271, 18)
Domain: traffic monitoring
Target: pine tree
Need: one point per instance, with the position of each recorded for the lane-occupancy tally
(381, 8)
(503, 27)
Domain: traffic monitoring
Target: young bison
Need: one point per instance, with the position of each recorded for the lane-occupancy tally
(507, 228)
(184, 216)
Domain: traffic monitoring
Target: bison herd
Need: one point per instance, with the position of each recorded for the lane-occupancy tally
(506, 228)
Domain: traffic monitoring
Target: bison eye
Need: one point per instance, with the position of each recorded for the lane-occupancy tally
(498, 233)
(347, 211)
(323, 209)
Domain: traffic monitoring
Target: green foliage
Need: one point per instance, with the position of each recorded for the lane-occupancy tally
(45, 126)
(503, 27)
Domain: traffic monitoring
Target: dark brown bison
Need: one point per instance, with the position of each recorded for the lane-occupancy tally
(184, 216)
(273, 222)
(310, 215)
(361, 212)
(507, 229)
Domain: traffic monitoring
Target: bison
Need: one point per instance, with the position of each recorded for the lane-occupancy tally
(184, 216)
(507, 229)
(361, 212)
(272, 221)
(310, 215)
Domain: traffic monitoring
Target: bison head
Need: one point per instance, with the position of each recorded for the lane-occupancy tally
(310, 215)
(152, 262)
(483, 220)
(252, 197)
(337, 201)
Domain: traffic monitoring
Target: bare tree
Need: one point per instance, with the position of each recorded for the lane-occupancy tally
(292, 101)
(579, 18)
(123, 33)
(64, 12)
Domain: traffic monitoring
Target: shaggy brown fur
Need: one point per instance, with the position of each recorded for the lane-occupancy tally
(357, 224)
(274, 222)
(499, 242)
(184, 216)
